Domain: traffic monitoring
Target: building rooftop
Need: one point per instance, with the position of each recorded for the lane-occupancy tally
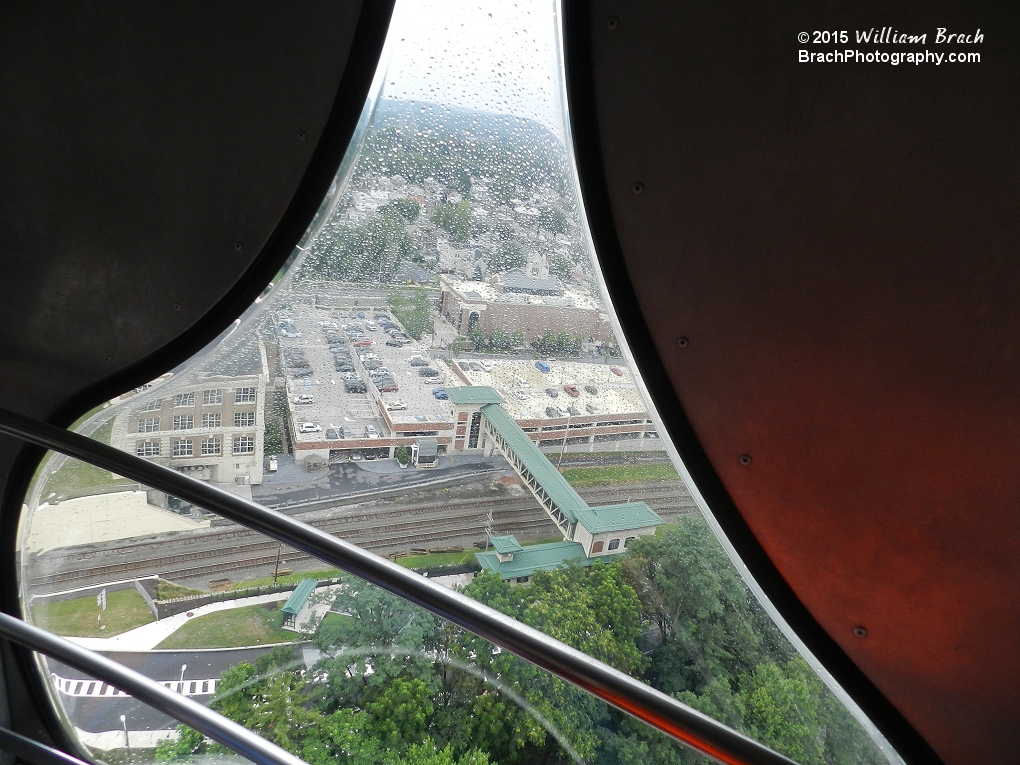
(630, 515)
(516, 280)
(300, 595)
(543, 471)
(506, 545)
(544, 557)
(427, 447)
(474, 394)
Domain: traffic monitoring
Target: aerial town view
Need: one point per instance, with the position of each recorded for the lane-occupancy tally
(434, 377)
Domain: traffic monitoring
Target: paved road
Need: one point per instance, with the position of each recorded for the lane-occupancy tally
(95, 707)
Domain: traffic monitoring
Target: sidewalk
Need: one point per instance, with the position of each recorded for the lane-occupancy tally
(148, 636)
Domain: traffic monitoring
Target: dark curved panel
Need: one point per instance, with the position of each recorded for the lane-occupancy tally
(148, 153)
(837, 243)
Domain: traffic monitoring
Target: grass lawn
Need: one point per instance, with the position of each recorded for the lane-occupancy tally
(610, 475)
(250, 625)
(125, 610)
(167, 590)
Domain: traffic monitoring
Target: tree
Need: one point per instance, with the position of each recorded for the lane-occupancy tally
(507, 256)
(342, 738)
(561, 266)
(552, 219)
(400, 714)
(455, 219)
(414, 313)
(427, 753)
(403, 455)
(188, 743)
(406, 209)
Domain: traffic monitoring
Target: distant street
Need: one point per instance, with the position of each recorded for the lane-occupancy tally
(96, 713)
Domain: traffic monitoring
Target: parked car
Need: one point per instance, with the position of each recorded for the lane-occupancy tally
(520, 395)
(361, 343)
(591, 389)
(417, 361)
(388, 387)
(346, 432)
(341, 366)
(331, 434)
(304, 398)
(356, 455)
(396, 406)
(572, 391)
(371, 432)
(562, 411)
(541, 366)
(616, 371)
(552, 392)
(550, 411)
(394, 343)
(592, 409)
(475, 366)
(464, 365)
(357, 385)
(573, 411)
(440, 393)
(308, 427)
(301, 373)
(428, 372)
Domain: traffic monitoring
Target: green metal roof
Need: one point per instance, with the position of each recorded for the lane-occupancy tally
(474, 394)
(299, 596)
(630, 515)
(554, 484)
(545, 557)
(506, 545)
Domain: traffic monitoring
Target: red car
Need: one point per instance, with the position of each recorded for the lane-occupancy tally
(616, 371)
(572, 390)
(361, 343)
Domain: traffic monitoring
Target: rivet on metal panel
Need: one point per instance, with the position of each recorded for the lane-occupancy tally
(682, 341)
(613, 22)
(301, 136)
(238, 246)
(638, 187)
(860, 632)
(745, 459)
(177, 306)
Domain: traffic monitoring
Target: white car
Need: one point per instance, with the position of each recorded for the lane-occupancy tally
(486, 366)
(328, 324)
(520, 395)
(371, 432)
(304, 398)
(308, 427)
(396, 406)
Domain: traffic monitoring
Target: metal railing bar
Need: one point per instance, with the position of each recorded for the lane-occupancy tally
(212, 724)
(616, 688)
(32, 751)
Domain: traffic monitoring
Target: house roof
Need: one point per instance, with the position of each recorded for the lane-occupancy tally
(427, 447)
(544, 557)
(630, 515)
(506, 545)
(516, 280)
(543, 471)
(474, 394)
(301, 594)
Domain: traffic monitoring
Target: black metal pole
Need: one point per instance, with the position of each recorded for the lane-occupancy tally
(612, 686)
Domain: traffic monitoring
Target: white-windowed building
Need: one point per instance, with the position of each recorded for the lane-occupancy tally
(207, 423)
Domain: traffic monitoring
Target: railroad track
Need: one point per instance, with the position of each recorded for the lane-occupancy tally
(385, 529)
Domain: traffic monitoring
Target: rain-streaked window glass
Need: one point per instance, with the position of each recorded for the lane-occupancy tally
(435, 376)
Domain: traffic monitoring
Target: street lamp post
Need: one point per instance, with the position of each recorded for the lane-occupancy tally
(183, 667)
(563, 445)
(127, 739)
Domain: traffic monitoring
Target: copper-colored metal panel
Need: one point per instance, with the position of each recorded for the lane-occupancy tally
(839, 243)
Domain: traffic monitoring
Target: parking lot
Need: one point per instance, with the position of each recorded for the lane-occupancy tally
(332, 406)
